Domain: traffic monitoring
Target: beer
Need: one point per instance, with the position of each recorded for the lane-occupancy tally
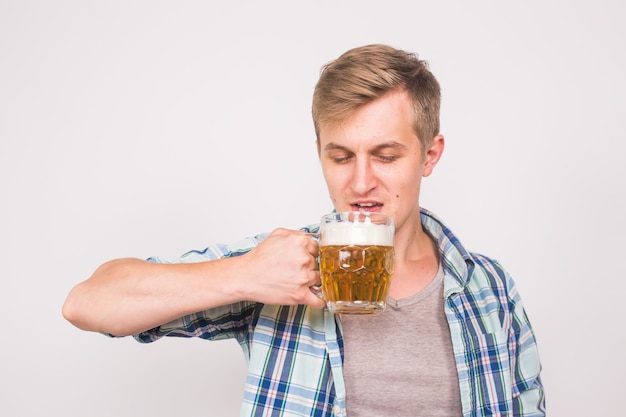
(356, 277)
(356, 261)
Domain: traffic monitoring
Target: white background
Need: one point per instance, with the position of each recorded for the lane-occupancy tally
(139, 128)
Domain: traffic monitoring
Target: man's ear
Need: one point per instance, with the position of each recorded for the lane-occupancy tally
(433, 154)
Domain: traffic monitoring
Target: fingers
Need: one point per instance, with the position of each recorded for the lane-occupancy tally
(317, 301)
(316, 290)
(314, 278)
(308, 240)
(314, 265)
(312, 244)
(315, 297)
(291, 259)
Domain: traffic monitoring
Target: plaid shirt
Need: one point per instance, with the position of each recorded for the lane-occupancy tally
(295, 353)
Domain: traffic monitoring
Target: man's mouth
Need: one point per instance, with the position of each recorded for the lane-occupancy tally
(367, 206)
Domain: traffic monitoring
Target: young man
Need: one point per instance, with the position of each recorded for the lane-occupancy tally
(455, 337)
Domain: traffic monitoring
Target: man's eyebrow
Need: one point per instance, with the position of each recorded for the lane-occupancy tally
(389, 145)
(386, 145)
(335, 147)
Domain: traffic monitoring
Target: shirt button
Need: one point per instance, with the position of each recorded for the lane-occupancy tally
(336, 409)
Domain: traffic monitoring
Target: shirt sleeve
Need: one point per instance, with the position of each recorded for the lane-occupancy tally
(224, 322)
(527, 388)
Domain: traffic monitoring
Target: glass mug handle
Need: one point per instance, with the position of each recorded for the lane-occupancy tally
(316, 289)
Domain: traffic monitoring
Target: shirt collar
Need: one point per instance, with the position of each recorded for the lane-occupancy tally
(456, 260)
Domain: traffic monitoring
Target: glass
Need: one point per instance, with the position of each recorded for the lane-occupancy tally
(356, 261)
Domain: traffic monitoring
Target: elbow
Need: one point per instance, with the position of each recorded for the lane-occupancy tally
(81, 303)
(72, 311)
(94, 304)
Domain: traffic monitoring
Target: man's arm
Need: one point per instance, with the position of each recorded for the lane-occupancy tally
(127, 296)
(528, 395)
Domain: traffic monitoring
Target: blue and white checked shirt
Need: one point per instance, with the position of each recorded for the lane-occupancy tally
(294, 353)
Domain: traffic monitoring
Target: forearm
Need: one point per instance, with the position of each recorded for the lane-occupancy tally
(126, 296)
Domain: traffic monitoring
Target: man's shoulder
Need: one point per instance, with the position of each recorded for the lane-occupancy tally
(489, 277)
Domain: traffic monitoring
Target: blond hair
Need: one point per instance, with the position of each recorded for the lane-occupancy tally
(366, 73)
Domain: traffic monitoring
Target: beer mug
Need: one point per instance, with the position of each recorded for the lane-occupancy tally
(356, 261)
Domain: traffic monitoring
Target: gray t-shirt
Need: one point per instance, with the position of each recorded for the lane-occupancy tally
(400, 362)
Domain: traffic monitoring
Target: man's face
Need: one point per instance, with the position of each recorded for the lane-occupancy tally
(372, 160)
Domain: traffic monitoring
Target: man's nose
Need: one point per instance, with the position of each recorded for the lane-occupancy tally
(363, 178)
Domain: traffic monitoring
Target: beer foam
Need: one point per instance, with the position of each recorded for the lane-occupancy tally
(356, 233)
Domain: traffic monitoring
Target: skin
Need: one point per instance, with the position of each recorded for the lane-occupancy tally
(127, 296)
(371, 161)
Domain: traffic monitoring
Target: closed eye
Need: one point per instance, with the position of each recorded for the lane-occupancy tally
(387, 158)
(341, 159)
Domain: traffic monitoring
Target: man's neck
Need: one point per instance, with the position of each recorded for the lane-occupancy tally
(416, 261)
